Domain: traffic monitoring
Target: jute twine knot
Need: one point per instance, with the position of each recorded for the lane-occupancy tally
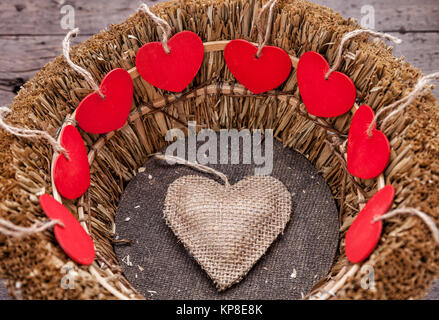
(421, 88)
(28, 133)
(172, 160)
(87, 75)
(412, 211)
(9, 229)
(263, 39)
(351, 35)
(161, 23)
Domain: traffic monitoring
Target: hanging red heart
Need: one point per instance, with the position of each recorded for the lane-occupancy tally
(97, 114)
(367, 155)
(321, 97)
(172, 71)
(72, 238)
(258, 74)
(364, 234)
(72, 176)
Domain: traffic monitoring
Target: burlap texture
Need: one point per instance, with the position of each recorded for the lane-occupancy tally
(161, 268)
(227, 228)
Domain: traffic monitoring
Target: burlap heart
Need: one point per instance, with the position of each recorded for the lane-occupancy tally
(227, 228)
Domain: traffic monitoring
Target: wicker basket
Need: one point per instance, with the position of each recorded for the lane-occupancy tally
(405, 261)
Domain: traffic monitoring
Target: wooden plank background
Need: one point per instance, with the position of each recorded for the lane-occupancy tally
(31, 34)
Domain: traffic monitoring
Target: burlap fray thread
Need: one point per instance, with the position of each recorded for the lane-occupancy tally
(294, 130)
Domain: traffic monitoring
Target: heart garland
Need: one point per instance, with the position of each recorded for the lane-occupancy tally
(368, 150)
(260, 73)
(323, 97)
(174, 70)
(71, 173)
(72, 237)
(364, 234)
(106, 109)
(262, 68)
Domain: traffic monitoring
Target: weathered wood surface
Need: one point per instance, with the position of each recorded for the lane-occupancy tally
(31, 34)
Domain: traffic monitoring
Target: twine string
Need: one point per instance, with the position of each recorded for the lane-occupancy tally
(28, 133)
(351, 35)
(9, 229)
(412, 211)
(263, 39)
(196, 166)
(420, 88)
(161, 23)
(87, 75)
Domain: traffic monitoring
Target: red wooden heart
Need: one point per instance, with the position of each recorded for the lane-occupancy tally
(363, 235)
(261, 74)
(321, 97)
(72, 238)
(102, 115)
(172, 71)
(367, 156)
(72, 176)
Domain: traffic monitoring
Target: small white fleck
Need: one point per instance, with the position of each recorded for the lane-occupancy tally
(127, 219)
(294, 274)
(150, 177)
(137, 207)
(140, 268)
(127, 261)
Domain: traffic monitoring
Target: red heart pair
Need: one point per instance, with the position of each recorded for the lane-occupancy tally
(368, 155)
(364, 234)
(72, 237)
(258, 74)
(71, 176)
(97, 114)
(323, 98)
(172, 71)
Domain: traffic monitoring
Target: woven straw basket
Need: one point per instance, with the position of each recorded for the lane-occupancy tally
(406, 260)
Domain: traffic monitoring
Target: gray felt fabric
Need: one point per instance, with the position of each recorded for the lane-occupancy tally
(4, 295)
(160, 267)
